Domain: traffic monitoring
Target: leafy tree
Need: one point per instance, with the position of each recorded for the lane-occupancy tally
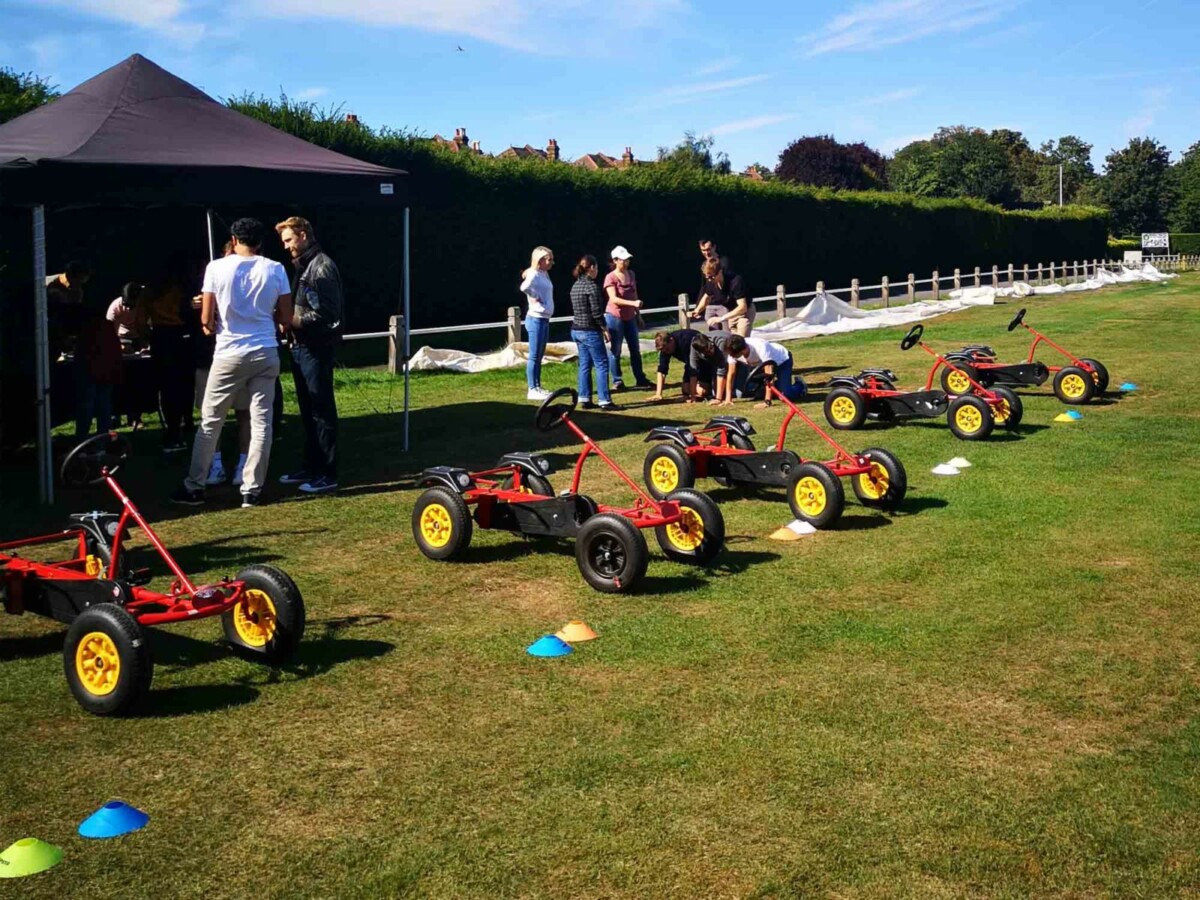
(1137, 187)
(913, 170)
(1026, 162)
(1186, 215)
(1075, 156)
(823, 162)
(22, 92)
(695, 153)
(959, 162)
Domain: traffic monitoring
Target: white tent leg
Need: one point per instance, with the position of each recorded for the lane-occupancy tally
(212, 244)
(42, 358)
(407, 326)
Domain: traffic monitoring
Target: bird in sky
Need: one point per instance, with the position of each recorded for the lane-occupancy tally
(461, 50)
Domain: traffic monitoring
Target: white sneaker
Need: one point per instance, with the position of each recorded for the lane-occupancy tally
(537, 394)
(237, 475)
(216, 474)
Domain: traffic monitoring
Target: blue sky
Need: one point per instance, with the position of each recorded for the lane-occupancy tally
(603, 76)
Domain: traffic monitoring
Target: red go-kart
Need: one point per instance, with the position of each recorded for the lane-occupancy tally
(1076, 383)
(106, 606)
(972, 413)
(516, 496)
(723, 450)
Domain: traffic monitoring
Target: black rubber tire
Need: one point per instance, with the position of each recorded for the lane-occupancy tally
(740, 441)
(712, 524)
(1016, 409)
(866, 488)
(461, 526)
(860, 408)
(671, 455)
(290, 616)
(948, 373)
(1087, 390)
(1101, 375)
(103, 552)
(987, 421)
(135, 664)
(831, 498)
(623, 541)
(533, 484)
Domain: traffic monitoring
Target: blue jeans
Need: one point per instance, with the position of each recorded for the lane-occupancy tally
(626, 330)
(539, 332)
(592, 355)
(91, 401)
(791, 386)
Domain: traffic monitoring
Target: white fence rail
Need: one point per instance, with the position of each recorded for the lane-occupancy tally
(887, 290)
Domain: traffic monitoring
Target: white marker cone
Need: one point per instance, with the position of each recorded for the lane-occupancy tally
(959, 463)
(944, 469)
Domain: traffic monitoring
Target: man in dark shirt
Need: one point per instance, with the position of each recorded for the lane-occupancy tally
(677, 345)
(316, 330)
(64, 306)
(708, 358)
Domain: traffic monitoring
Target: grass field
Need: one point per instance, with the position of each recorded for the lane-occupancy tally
(993, 693)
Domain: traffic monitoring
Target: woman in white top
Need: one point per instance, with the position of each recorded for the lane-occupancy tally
(539, 292)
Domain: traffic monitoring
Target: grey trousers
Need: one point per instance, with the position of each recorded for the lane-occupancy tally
(255, 372)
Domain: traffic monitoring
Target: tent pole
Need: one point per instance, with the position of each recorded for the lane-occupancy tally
(407, 326)
(212, 244)
(42, 354)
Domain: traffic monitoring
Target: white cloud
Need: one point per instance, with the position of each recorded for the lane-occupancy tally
(310, 93)
(747, 124)
(717, 66)
(164, 17)
(1154, 101)
(891, 97)
(885, 23)
(685, 92)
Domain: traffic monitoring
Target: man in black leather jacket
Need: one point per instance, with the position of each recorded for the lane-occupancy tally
(316, 330)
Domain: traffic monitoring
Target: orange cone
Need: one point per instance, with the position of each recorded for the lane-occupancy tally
(576, 631)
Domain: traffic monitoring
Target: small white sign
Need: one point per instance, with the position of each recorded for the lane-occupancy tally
(1156, 241)
(1133, 256)
(387, 189)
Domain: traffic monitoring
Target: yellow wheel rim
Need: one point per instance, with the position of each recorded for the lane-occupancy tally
(97, 664)
(254, 618)
(688, 533)
(436, 525)
(94, 566)
(1073, 386)
(874, 484)
(664, 474)
(810, 496)
(958, 382)
(968, 419)
(842, 409)
(1002, 411)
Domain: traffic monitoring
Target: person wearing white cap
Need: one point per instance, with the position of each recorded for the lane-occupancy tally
(621, 318)
(539, 291)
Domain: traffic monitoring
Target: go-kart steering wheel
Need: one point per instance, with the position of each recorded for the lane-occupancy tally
(914, 335)
(1017, 320)
(550, 414)
(101, 455)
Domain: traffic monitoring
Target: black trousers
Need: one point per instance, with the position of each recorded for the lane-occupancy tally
(312, 369)
(174, 374)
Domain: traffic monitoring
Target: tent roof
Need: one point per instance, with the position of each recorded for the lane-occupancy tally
(159, 130)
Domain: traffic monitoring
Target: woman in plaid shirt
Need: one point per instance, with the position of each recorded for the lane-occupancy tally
(589, 332)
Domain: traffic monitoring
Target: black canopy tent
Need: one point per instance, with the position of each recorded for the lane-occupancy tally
(137, 135)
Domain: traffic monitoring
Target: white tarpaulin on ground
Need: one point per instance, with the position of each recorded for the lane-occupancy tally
(824, 314)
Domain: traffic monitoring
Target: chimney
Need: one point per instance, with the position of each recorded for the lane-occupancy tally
(475, 146)
(627, 157)
(552, 150)
(352, 119)
(460, 137)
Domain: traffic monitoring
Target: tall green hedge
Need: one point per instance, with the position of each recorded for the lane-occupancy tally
(1185, 243)
(474, 221)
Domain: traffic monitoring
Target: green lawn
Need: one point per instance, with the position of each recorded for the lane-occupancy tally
(993, 693)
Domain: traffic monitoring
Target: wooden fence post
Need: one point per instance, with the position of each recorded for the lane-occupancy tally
(820, 287)
(1052, 272)
(977, 276)
(854, 292)
(995, 276)
(684, 320)
(957, 280)
(937, 286)
(1025, 273)
(780, 302)
(1010, 274)
(912, 287)
(514, 324)
(1039, 273)
(395, 344)
(884, 292)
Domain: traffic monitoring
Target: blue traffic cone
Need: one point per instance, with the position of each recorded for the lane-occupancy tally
(1075, 414)
(550, 645)
(1128, 386)
(113, 820)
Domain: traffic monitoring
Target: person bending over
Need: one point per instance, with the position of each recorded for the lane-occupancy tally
(777, 364)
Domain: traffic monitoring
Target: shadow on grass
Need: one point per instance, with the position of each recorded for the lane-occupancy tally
(31, 646)
(188, 700)
(913, 505)
(734, 562)
(861, 522)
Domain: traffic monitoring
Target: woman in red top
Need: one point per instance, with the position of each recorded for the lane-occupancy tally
(620, 315)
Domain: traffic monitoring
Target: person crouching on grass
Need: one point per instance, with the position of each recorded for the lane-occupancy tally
(752, 352)
(676, 345)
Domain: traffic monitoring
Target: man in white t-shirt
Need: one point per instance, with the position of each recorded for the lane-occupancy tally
(244, 301)
(752, 352)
